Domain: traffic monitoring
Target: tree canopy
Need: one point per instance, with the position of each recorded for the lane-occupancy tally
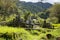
(55, 11)
(7, 7)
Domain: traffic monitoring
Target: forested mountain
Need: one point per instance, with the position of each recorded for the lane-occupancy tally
(33, 7)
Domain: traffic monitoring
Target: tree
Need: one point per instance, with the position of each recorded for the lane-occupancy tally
(7, 7)
(55, 11)
(27, 16)
(15, 22)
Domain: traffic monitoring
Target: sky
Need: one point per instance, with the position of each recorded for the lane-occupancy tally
(50, 1)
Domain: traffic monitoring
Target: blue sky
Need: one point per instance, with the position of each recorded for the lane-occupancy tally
(50, 1)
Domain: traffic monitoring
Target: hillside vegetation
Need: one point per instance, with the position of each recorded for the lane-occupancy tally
(29, 21)
(33, 7)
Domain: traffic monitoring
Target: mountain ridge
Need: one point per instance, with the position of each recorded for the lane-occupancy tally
(33, 7)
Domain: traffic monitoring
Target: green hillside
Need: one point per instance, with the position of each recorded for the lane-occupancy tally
(29, 21)
(33, 7)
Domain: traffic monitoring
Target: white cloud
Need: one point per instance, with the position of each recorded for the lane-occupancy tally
(30, 0)
(50, 1)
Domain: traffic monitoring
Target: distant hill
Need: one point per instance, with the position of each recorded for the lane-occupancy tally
(33, 7)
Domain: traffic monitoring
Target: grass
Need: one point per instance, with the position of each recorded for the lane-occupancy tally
(2, 39)
(25, 35)
(33, 34)
(56, 25)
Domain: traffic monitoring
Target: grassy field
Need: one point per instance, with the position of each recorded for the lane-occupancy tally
(30, 34)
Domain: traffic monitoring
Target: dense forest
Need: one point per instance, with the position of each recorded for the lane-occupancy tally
(20, 20)
(36, 7)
